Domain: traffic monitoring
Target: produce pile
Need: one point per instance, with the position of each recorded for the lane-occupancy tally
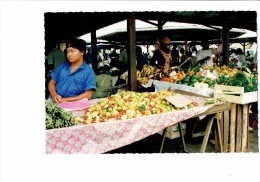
(147, 73)
(128, 104)
(56, 117)
(207, 77)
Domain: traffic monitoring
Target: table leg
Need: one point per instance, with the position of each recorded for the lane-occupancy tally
(182, 138)
(232, 127)
(163, 139)
(206, 135)
(219, 132)
(245, 128)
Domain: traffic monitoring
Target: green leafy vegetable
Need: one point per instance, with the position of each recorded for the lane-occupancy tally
(56, 117)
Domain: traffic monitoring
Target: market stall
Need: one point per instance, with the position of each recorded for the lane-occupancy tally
(105, 136)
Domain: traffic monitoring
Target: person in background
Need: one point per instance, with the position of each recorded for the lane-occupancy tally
(88, 56)
(205, 56)
(73, 80)
(239, 58)
(183, 56)
(113, 58)
(103, 83)
(190, 62)
(219, 56)
(175, 55)
(194, 51)
(248, 56)
(55, 58)
(123, 58)
(162, 56)
(140, 58)
(232, 53)
(100, 56)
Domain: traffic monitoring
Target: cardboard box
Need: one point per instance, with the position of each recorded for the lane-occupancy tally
(235, 94)
(172, 132)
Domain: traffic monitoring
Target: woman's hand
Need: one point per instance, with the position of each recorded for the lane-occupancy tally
(56, 98)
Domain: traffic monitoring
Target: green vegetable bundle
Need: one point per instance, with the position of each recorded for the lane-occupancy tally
(242, 80)
(56, 117)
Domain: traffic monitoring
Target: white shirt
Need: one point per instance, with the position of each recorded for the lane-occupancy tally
(204, 53)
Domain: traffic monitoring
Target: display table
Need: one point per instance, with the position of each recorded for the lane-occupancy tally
(215, 113)
(102, 137)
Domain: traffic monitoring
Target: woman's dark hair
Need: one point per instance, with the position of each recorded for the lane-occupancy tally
(77, 44)
(239, 51)
(189, 53)
(138, 50)
(104, 69)
(182, 50)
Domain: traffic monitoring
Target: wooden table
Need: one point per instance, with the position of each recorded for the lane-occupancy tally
(215, 114)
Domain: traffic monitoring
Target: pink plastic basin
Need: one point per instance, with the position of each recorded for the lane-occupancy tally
(75, 105)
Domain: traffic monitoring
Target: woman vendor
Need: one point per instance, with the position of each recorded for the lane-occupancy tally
(162, 56)
(73, 80)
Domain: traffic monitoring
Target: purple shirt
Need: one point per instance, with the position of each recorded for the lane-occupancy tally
(72, 84)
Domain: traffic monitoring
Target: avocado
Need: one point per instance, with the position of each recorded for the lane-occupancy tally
(193, 80)
(200, 79)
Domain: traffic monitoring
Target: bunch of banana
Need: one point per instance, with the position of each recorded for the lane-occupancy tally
(226, 70)
(147, 73)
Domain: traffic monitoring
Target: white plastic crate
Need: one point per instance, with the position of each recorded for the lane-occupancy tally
(235, 94)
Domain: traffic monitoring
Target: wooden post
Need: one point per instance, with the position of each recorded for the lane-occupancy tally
(160, 25)
(94, 49)
(232, 127)
(225, 40)
(226, 131)
(239, 128)
(132, 82)
(245, 128)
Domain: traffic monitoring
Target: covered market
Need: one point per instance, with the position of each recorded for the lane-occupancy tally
(165, 94)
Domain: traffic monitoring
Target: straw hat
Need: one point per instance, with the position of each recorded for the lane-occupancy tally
(165, 40)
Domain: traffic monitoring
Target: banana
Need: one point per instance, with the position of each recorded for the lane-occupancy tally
(151, 68)
(151, 76)
(147, 72)
(160, 75)
(138, 74)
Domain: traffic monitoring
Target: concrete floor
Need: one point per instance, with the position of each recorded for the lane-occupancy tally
(152, 144)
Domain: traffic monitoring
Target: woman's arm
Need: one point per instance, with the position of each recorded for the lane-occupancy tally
(87, 94)
(56, 98)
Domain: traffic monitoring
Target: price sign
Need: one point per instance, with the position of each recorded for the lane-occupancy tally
(178, 100)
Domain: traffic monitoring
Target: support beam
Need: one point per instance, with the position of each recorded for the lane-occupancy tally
(94, 49)
(132, 82)
(160, 25)
(225, 40)
(147, 21)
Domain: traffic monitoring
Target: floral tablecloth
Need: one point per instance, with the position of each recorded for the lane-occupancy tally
(99, 138)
